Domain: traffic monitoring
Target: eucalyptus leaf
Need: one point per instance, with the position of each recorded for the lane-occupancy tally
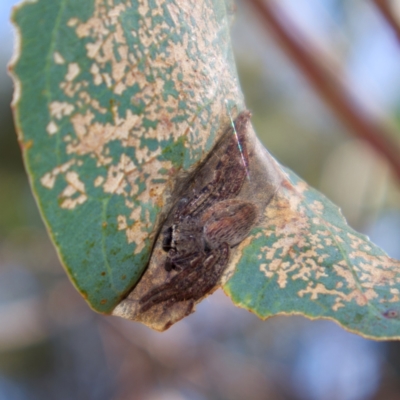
(112, 99)
(306, 260)
(117, 104)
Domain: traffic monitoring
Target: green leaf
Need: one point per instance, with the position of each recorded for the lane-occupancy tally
(112, 99)
(306, 260)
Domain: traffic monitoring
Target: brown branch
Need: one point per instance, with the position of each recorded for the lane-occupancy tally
(327, 84)
(385, 9)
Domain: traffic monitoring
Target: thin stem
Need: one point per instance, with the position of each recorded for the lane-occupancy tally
(385, 9)
(327, 84)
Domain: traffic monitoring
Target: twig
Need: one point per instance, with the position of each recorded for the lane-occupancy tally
(385, 9)
(327, 84)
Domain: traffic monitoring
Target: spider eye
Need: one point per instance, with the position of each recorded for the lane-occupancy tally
(182, 202)
(166, 244)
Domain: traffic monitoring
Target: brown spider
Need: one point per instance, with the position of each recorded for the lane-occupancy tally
(206, 223)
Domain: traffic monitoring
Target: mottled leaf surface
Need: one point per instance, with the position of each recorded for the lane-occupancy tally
(112, 98)
(306, 260)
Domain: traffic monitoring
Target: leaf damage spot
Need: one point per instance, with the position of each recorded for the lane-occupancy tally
(331, 260)
(136, 234)
(59, 109)
(58, 58)
(74, 194)
(98, 181)
(122, 224)
(73, 72)
(52, 128)
(73, 22)
(48, 180)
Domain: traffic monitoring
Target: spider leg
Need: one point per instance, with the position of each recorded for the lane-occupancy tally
(184, 261)
(191, 283)
(228, 221)
(214, 266)
(169, 265)
(199, 201)
(227, 183)
(230, 173)
(167, 290)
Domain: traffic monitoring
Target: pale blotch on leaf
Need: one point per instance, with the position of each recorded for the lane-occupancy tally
(395, 292)
(58, 58)
(52, 128)
(59, 109)
(122, 224)
(74, 193)
(137, 232)
(85, 100)
(48, 180)
(340, 297)
(73, 72)
(118, 175)
(72, 22)
(98, 181)
(95, 71)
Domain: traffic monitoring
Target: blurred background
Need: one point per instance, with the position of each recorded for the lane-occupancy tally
(52, 346)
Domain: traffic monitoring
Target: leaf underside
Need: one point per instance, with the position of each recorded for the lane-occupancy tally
(114, 99)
